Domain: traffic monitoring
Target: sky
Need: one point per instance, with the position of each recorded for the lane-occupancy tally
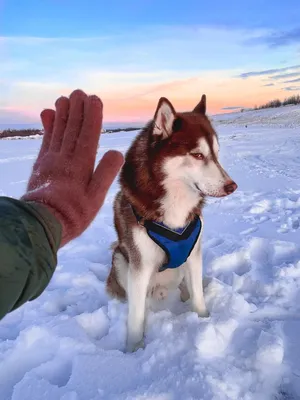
(131, 53)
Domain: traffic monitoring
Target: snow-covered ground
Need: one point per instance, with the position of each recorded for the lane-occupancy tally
(283, 117)
(68, 344)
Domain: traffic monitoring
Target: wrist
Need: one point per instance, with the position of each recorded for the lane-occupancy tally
(49, 218)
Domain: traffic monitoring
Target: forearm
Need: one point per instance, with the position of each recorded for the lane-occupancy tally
(29, 240)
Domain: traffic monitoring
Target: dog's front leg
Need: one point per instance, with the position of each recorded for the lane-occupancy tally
(138, 281)
(193, 277)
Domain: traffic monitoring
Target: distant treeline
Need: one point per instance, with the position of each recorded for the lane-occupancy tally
(120, 130)
(278, 103)
(19, 132)
(8, 133)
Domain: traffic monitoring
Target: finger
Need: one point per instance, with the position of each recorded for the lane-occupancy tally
(47, 117)
(104, 175)
(75, 120)
(60, 122)
(88, 139)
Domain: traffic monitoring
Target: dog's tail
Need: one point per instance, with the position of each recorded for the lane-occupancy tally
(113, 286)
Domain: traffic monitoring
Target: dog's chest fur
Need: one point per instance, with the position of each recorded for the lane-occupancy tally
(149, 251)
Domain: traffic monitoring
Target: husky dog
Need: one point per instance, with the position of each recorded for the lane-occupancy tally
(170, 168)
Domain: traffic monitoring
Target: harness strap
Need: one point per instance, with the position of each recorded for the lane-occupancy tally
(177, 244)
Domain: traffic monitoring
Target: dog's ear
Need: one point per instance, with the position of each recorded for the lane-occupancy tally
(201, 107)
(164, 118)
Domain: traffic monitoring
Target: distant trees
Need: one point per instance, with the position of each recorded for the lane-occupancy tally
(121, 130)
(6, 133)
(292, 100)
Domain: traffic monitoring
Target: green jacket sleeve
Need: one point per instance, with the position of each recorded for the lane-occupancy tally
(29, 240)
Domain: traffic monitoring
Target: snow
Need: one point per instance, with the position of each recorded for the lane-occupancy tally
(69, 343)
(287, 116)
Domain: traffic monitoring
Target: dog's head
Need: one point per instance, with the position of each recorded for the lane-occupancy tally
(188, 149)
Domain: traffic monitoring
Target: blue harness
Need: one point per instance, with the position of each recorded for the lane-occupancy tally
(177, 244)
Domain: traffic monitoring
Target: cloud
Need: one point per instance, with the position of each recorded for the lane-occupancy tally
(246, 75)
(189, 48)
(283, 76)
(232, 108)
(278, 39)
(292, 88)
(269, 84)
(43, 86)
(292, 80)
(35, 40)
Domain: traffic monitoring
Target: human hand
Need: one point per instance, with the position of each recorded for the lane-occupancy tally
(63, 177)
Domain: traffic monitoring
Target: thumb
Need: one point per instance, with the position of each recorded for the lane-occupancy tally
(47, 118)
(104, 175)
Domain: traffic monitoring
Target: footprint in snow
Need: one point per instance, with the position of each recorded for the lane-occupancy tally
(291, 225)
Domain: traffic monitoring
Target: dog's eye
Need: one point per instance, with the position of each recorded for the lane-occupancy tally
(198, 156)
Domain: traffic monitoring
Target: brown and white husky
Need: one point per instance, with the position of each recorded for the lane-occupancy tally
(170, 168)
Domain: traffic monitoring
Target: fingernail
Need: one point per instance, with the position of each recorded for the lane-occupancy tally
(117, 156)
(78, 93)
(61, 100)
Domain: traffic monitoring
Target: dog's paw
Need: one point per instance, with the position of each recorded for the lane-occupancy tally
(132, 347)
(202, 312)
(159, 292)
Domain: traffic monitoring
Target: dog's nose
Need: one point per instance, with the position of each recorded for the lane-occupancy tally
(230, 187)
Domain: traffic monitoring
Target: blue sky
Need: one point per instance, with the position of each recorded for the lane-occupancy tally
(58, 18)
(132, 52)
